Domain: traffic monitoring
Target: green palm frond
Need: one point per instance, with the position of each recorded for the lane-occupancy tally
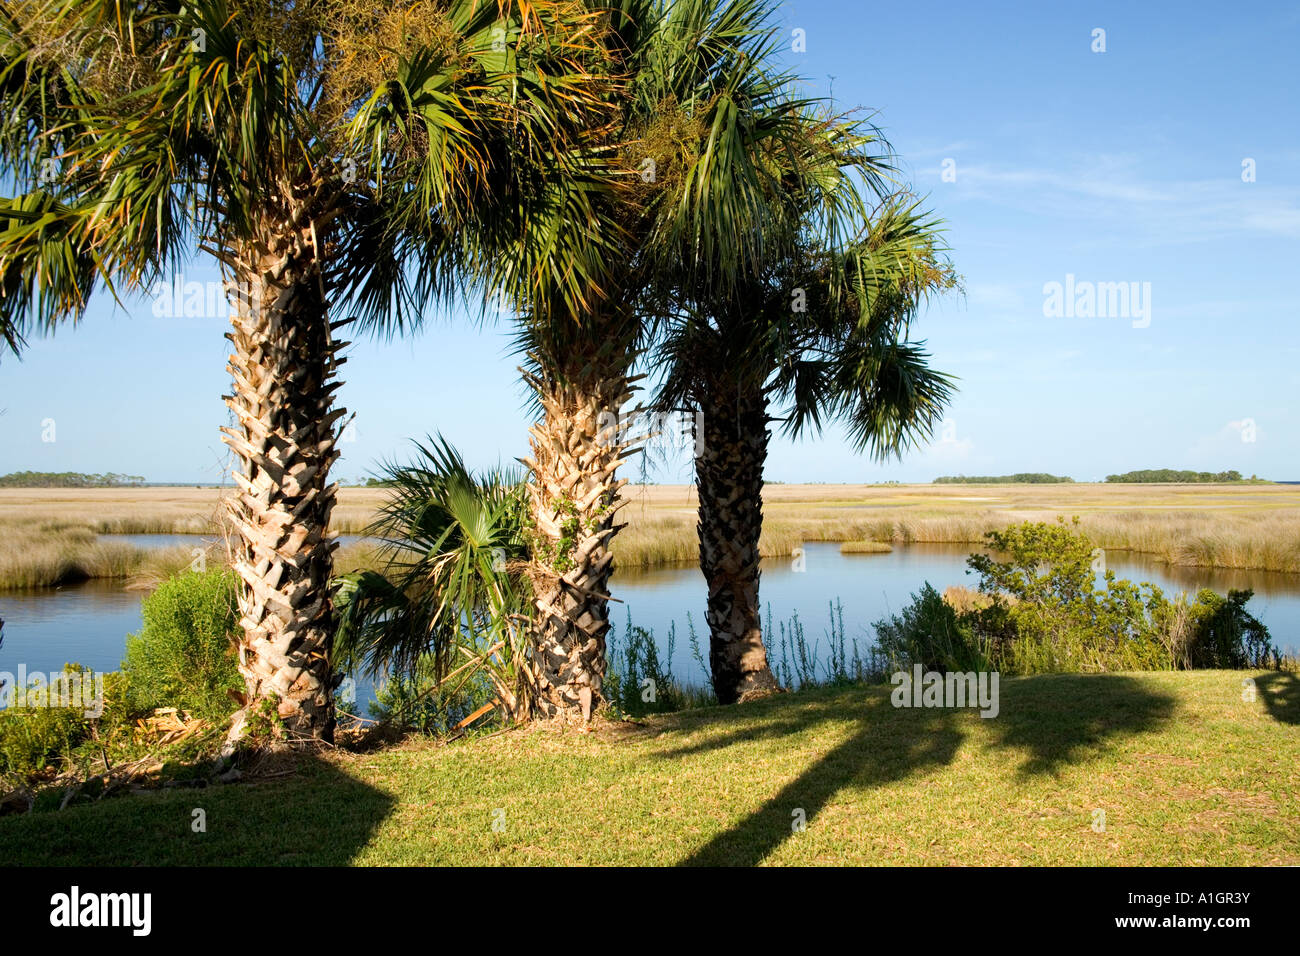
(454, 544)
(822, 323)
(176, 125)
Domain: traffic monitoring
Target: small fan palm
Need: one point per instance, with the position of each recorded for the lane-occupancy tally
(453, 590)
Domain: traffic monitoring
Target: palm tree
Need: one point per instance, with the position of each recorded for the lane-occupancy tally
(453, 591)
(699, 107)
(336, 157)
(820, 329)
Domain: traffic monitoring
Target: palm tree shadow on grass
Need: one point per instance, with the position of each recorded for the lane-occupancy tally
(1053, 720)
(316, 816)
(1281, 693)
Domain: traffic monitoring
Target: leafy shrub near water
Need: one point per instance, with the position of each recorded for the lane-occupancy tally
(1046, 613)
(930, 632)
(183, 657)
(184, 654)
(1220, 632)
(34, 738)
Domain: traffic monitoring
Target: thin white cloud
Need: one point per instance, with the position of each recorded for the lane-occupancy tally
(1112, 190)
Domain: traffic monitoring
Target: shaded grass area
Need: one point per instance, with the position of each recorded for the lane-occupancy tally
(324, 816)
(1186, 770)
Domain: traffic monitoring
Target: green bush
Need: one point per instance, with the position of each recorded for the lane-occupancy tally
(184, 655)
(1049, 615)
(1224, 634)
(33, 739)
(929, 632)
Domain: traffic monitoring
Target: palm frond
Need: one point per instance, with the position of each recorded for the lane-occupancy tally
(454, 545)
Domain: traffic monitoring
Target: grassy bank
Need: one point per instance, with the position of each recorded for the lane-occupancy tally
(1186, 771)
(46, 533)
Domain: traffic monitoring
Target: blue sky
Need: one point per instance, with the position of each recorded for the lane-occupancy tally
(1122, 166)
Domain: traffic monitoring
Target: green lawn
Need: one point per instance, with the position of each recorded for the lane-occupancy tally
(1186, 771)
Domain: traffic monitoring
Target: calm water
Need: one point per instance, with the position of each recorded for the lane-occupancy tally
(87, 624)
(871, 586)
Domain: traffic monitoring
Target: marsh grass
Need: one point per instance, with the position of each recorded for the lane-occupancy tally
(34, 556)
(49, 536)
(156, 565)
(831, 660)
(649, 542)
(865, 547)
(640, 681)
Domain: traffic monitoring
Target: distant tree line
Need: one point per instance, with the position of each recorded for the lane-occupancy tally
(1156, 475)
(67, 479)
(1023, 478)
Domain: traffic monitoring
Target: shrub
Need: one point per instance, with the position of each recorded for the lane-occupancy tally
(930, 632)
(1048, 613)
(184, 654)
(449, 592)
(33, 739)
(1224, 634)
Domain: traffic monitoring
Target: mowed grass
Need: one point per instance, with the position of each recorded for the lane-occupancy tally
(1186, 771)
(46, 532)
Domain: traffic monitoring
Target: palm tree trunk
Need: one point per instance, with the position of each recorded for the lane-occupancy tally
(729, 473)
(574, 496)
(283, 363)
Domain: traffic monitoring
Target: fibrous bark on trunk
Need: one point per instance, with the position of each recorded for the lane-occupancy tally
(729, 472)
(577, 448)
(282, 366)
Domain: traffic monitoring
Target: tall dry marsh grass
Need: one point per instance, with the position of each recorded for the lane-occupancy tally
(51, 536)
(38, 555)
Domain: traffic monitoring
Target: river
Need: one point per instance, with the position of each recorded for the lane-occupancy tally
(88, 623)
